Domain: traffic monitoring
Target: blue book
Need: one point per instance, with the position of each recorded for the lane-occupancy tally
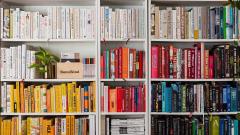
(235, 127)
(163, 96)
(224, 99)
(238, 98)
(168, 99)
(228, 98)
(175, 90)
(136, 96)
(229, 122)
(221, 127)
(233, 99)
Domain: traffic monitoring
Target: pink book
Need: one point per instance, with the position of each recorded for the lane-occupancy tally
(154, 64)
(210, 66)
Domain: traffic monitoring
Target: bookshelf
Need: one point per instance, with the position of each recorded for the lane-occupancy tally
(56, 46)
(185, 43)
(94, 47)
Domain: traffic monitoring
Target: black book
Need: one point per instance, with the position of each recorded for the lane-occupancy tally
(159, 93)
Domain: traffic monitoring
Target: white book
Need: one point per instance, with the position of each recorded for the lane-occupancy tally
(106, 19)
(110, 24)
(1, 17)
(3, 97)
(84, 23)
(108, 125)
(35, 26)
(202, 98)
(174, 25)
(68, 35)
(63, 126)
(28, 63)
(76, 20)
(22, 25)
(19, 65)
(81, 20)
(105, 98)
(72, 23)
(54, 22)
(3, 63)
(63, 23)
(89, 24)
(125, 31)
(8, 63)
(114, 25)
(28, 25)
(59, 22)
(24, 57)
(8, 99)
(92, 123)
(12, 66)
(137, 23)
(13, 23)
(178, 22)
(18, 23)
(50, 14)
(93, 27)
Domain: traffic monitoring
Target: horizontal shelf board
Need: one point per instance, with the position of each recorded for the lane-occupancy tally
(193, 80)
(122, 2)
(123, 40)
(130, 80)
(177, 113)
(195, 40)
(48, 40)
(50, 2)
(221, 113)
(46, 114)
(49, 80)
(123, 113)
(191, 2)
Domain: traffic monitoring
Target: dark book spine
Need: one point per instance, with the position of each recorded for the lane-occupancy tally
(217, 23)
(153, 100)
(210, 99)
(159, 93)
(213, 99)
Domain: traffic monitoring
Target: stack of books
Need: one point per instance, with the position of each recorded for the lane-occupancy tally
(123, 99)
(121, 23)
(128, 126)
(194, 22)
(122, 62)
(59, 98)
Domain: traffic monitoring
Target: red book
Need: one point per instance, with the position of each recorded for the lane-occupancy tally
(123, 100)
(140, 106)
(140, 72)
(163, 62)
(167, 60)
(119, 99)
(199, 62)
(160, 61)
(134, 64)
(132, 100)
(186, 63)
(210, 66)
(120, 63)
(127, 95)
(192, 63)
(154, 62)
(116, 63)
(174, 62)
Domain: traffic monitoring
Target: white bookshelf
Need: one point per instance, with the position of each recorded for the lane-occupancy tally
(86, 47)
(183, 43)
(139, 44)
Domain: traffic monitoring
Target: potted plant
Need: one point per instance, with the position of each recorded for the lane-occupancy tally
(44, 63)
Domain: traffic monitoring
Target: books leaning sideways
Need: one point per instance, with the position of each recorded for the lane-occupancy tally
(128, 126)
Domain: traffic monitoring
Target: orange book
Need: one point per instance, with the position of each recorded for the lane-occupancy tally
(48, 94)
(125, 52)
(72, 125)
(22, 97)
(206, 64)
(68, 124)
(113, 100)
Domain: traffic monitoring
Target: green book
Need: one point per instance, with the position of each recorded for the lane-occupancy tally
(224, 23)
(214, 125)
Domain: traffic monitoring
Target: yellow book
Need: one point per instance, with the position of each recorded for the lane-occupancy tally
(29, 123)
(21, 96)
(64, 98)
(74, 109)
(18, 96)
(49, 129)
(72, 127)
(70, 96)
(1, 126)
(37, 98)
(26, 98)
(41, 126)
(58, 94)
(53, 107)
(11, 98)
(78, 99)
(68, 124)
(8, 127)
(94, 96)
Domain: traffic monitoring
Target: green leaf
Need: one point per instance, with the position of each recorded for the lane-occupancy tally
(34, 65)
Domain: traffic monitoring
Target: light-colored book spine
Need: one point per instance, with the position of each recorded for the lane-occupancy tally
(4, 97)
(50, 13)
(92, 125)
(54, 22)
(72, 23)
(77, 20)
(68, 35)
(17, 22)
(1, 21)
(105, 89)
(110, 24)
(174, 24)
(28, 63)
(59, 22)
(63, 126)
(24, 54)
(8, 62)
(19, 67)
(8, 99)
(114, 25)
(33, 61)
(3, 63)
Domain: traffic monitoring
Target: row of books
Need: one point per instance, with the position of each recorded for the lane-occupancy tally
(16, 60)
(69, 125)
(121, 23)
(221, 61)
(59, 23)
(126, 126)
(174, 97)
(122, 62)
(213, 125)
(65, 97)
(123, 99)
(208, 97)
(194, 22)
